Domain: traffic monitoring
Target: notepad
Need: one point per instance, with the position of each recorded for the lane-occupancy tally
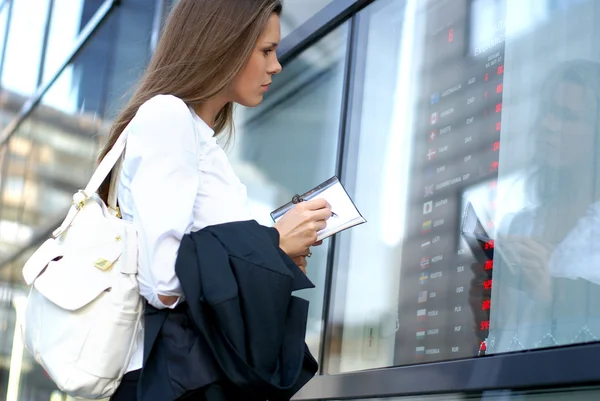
(344, 212)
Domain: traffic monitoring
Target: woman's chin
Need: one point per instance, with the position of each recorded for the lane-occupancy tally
(251, 102)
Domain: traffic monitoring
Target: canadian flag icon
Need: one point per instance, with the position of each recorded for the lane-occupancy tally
(434, 117)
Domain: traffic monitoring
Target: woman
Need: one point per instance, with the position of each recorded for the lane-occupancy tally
(175, 178)
(549, 275)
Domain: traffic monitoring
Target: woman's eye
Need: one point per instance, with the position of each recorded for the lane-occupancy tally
(267, 51)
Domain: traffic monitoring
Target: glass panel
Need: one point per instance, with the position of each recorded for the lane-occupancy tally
(48, 158)
(289, 145)
(297, 12)
(473, 143)
(24, 48)
(66, 22)
(546, 288)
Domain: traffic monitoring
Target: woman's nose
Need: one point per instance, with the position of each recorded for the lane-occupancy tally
(275, 68)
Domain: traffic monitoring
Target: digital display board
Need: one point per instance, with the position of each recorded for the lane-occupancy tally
(447, 261)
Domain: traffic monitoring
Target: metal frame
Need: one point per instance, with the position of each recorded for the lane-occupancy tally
(548, 368)
(347, 95)
(326, 20)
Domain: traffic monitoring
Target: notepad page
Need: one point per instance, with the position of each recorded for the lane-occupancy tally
(342, 206)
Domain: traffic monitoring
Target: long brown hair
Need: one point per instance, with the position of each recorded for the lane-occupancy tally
(203, 46)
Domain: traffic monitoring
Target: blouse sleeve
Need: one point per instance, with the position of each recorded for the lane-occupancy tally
(162, 161)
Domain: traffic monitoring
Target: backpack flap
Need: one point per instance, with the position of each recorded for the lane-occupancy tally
(46, 253)
(78, 278)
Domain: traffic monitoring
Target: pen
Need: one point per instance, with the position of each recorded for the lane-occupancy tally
(297, 199)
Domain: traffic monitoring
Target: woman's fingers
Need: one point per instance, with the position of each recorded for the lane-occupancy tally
(301, 262)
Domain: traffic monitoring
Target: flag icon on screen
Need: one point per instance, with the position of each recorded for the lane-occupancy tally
(435, 98)
(428, 190)
(427, 207)
(426, 227)
(420, 334)
(423, 278)
(420, 351)
(422, 314)
(432, 135)
(422, 297)
(434, 118)
(431, 154)
(425, 244)
(424, 262)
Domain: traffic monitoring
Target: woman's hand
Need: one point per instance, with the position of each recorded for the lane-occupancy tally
(299, 226)
(301, 260)
(532, 258)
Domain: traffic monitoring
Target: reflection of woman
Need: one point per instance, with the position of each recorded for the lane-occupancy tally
(175, 178)
(537, 299)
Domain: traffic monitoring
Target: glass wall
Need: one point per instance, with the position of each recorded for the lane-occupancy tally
(473, 155)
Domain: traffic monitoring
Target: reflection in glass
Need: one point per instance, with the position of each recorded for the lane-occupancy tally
(546, 287)
(297, 12)
(289, 145)
(48, 158)
(473, 154)
(24, 48)
(67, 19)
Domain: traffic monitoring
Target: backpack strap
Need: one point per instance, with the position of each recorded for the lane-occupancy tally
(104, 168)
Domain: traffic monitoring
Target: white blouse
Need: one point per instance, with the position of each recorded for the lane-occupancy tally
(175, 179)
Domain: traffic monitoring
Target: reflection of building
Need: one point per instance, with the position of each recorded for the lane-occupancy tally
(419, 106)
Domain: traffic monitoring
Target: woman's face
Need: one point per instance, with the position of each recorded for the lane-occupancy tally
(253, 81)
(567, 126)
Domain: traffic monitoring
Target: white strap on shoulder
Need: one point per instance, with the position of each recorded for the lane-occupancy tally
(106, 165)
(104, 168)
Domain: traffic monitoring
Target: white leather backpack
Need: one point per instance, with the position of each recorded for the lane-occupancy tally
(84, 308)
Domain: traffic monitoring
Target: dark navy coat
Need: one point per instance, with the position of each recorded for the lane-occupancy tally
(240, 333)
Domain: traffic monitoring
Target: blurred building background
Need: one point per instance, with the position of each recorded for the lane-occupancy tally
(361, 97)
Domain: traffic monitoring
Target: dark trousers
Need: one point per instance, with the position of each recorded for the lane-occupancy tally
(127, 391)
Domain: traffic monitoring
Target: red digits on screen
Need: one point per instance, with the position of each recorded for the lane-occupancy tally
(484, 325)
(485, 305)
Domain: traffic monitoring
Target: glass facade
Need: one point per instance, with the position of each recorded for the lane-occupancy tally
(466, 132)
(473, 136)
